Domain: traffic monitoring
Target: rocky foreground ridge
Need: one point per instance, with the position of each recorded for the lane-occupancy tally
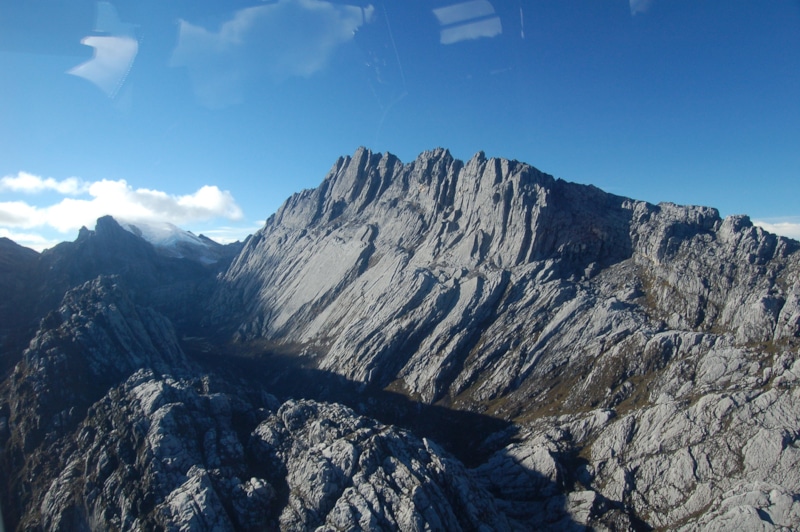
(434, 345)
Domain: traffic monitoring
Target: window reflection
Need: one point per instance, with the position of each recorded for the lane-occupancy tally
(467, 20)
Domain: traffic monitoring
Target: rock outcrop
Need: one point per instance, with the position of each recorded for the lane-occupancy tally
(492, 287)
(112, 426)
(469, 281)
(600, 362)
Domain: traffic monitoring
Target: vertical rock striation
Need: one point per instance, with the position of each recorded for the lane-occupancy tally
(445, 277)
(650, 343)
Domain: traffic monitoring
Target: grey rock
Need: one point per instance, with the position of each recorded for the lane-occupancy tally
(494, 287)
(347, 472)
(139, 465)
(644, 358)
(163, 448)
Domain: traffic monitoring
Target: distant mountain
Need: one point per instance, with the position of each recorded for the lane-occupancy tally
(34, 283)
(437, 344)
(172, 241)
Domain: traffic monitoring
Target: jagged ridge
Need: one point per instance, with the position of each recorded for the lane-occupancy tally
(644, 360)
(445, 276)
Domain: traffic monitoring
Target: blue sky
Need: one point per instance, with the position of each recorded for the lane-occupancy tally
(210, 114)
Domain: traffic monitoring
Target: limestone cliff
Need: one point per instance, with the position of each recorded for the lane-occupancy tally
(514, 351)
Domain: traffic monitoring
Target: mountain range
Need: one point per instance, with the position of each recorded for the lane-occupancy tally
(433, 345)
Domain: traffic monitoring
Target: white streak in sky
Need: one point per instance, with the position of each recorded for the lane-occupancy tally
(456, 13)
(113, 58)
(474, 30)
(639, 7)
(288, 38)
(113, 54)
(467, 20)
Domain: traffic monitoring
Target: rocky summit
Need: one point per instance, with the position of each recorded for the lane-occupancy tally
(435, 345)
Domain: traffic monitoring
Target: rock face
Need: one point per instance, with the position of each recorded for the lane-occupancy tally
(16, 265)
(474, 281)
(599, 361)
(113, 427)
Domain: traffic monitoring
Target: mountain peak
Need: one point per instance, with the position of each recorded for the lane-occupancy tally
(569, 345)
(172, 241)
(497, 202)
(396, 237)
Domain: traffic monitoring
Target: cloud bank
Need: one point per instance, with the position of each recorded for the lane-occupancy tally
(789, 227)
(81, 203)
(31, 184)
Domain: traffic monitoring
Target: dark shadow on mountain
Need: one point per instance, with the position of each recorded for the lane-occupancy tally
(471, 437)
(170, 285)
(460, 432)
(16, 266)
(33, 284)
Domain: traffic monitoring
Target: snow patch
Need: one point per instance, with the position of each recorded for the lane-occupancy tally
(173, 241)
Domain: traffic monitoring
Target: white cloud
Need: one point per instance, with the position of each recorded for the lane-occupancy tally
(31, 184)
(229, 234)
(787, 227)
(116, 198)
(19, 214)
(282, 39)
(29, 240)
